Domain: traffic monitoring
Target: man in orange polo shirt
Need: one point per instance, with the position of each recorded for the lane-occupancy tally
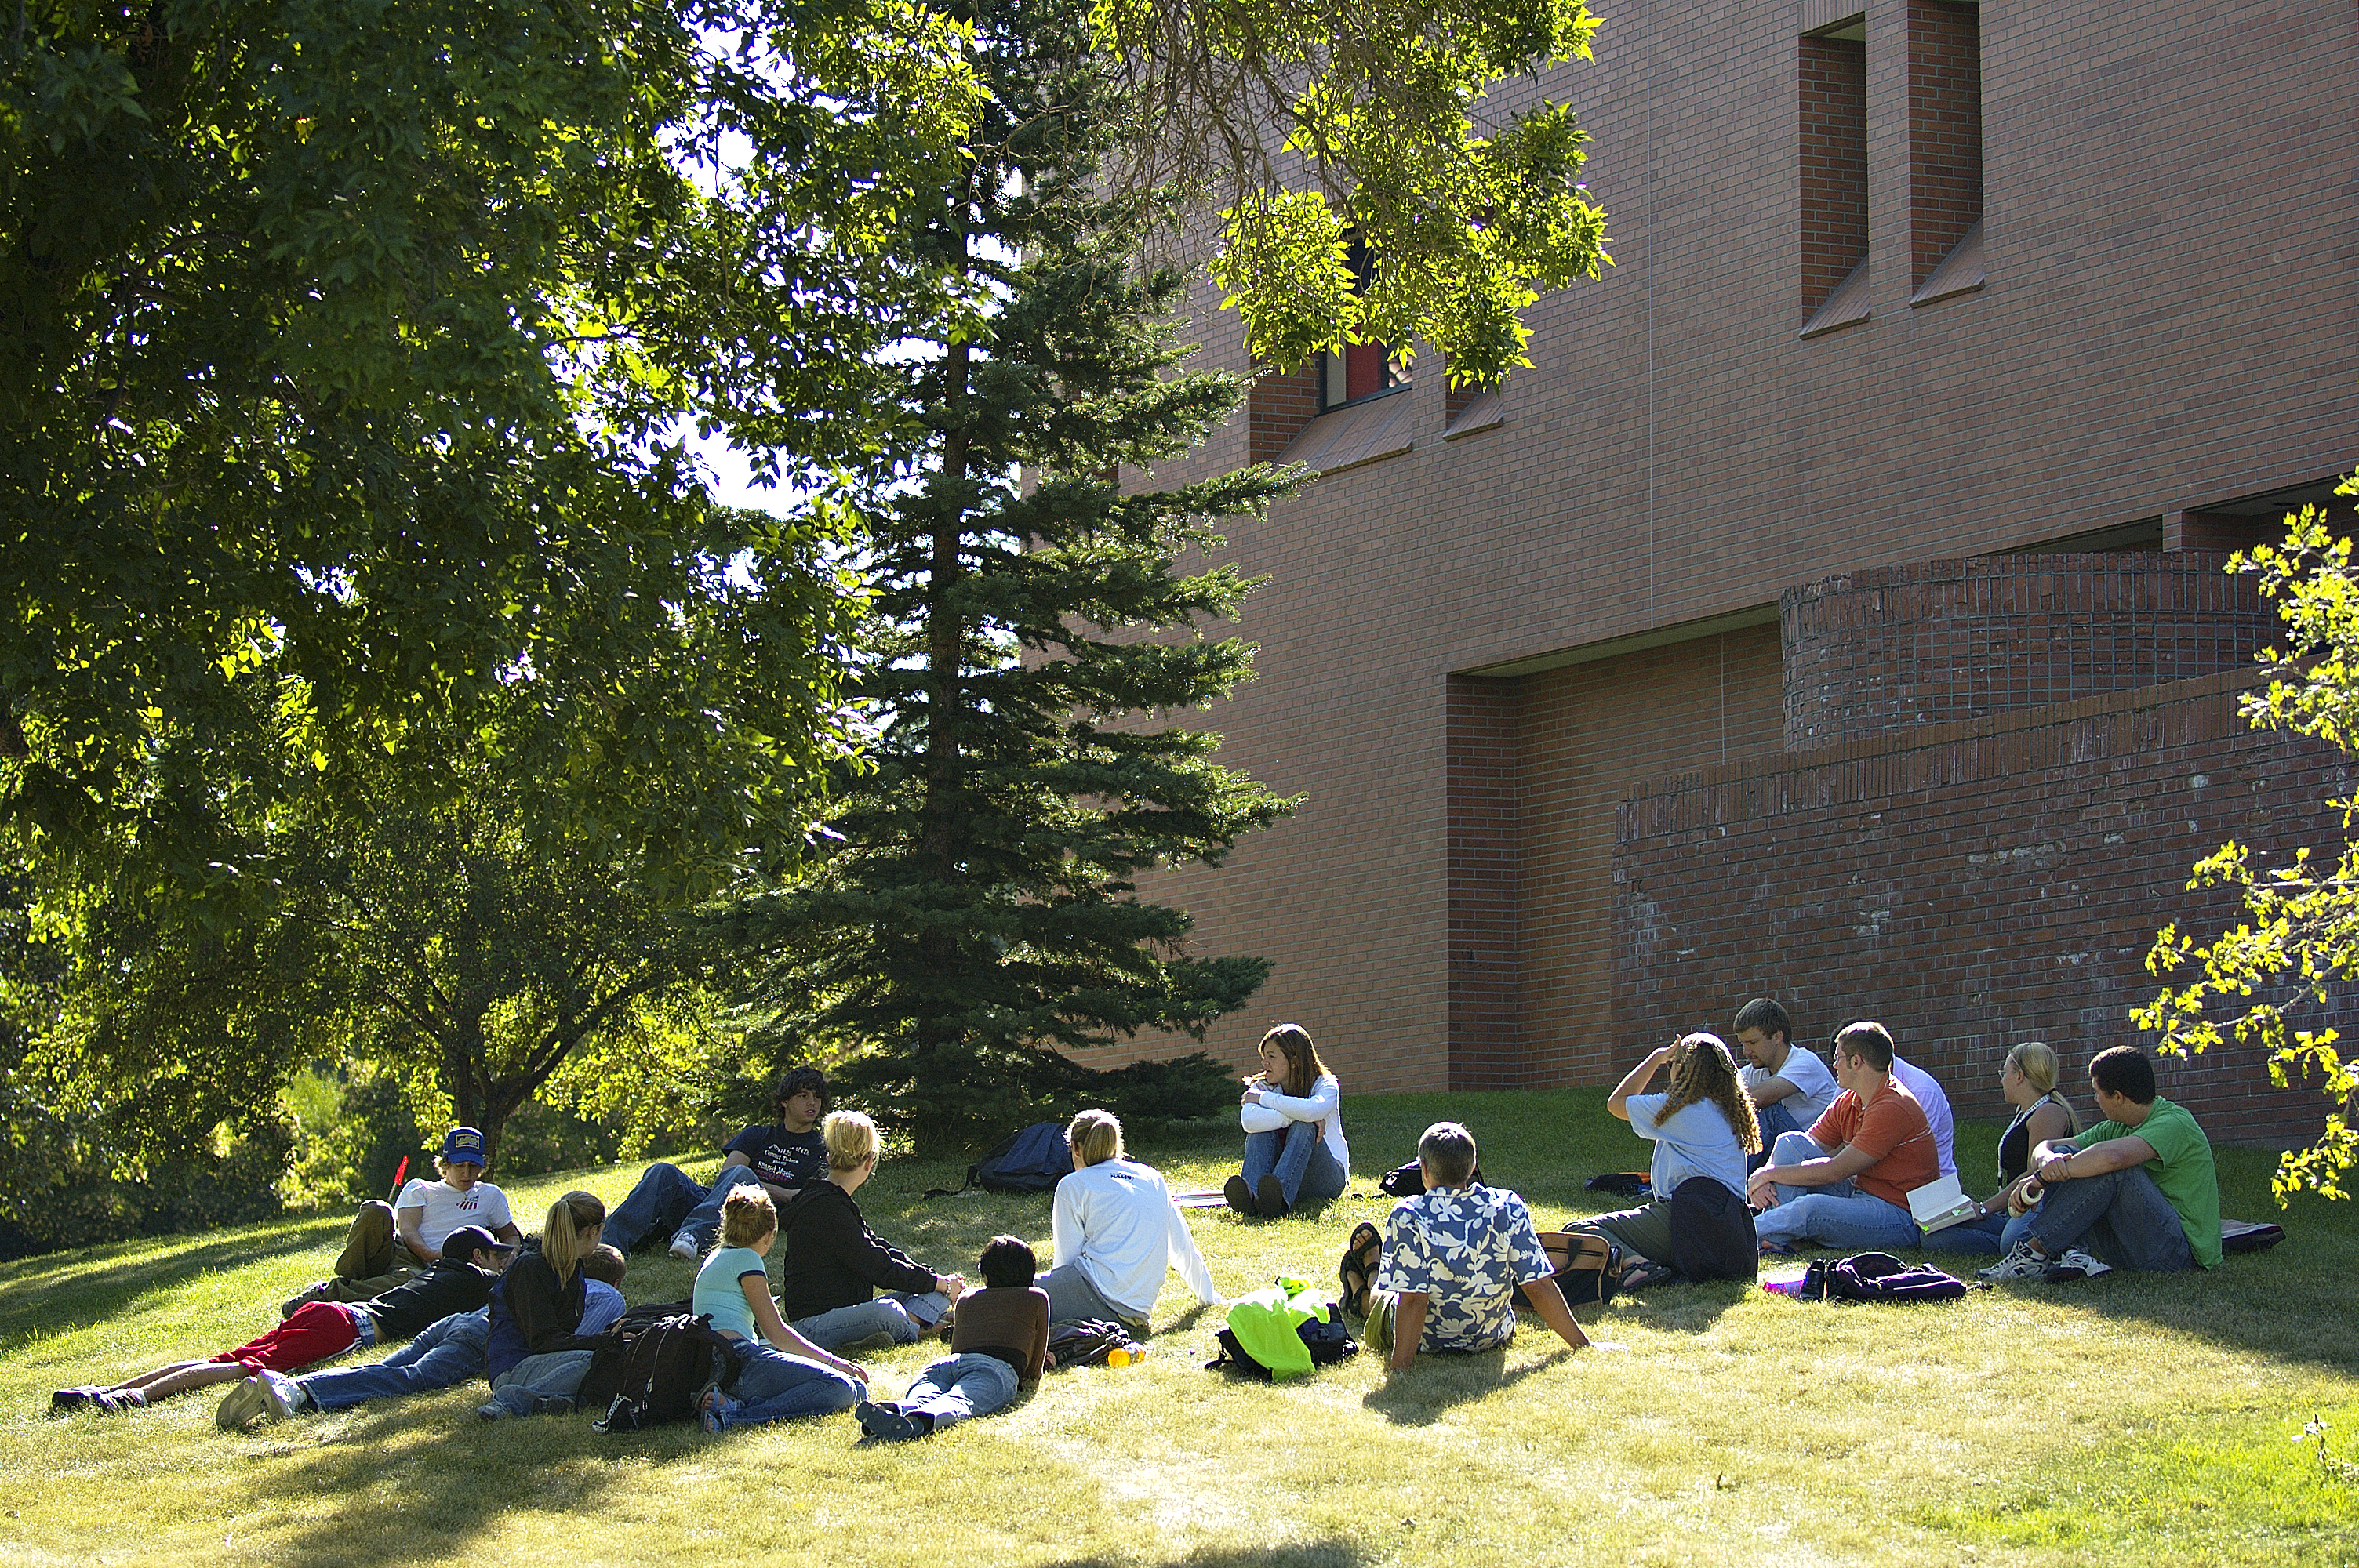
(1846, 1183)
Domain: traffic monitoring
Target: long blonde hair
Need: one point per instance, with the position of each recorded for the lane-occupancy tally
(2040, 1069)
(571, 1218)
(1703, 1069)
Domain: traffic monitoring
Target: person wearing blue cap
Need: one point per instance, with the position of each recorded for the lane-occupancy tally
(389, 1241)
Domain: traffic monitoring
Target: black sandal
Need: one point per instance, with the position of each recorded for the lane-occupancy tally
(1643, 1273)
(1358, 1272)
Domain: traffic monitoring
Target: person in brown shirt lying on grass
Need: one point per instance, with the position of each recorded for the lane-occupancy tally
(999, 1342)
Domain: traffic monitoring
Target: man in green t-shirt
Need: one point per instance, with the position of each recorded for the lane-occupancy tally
(2138, 1187)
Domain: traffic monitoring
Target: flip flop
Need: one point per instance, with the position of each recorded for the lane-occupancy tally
(1358, 1272)
(1644, 1273)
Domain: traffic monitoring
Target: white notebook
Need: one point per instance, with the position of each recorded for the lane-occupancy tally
(1941, 1203)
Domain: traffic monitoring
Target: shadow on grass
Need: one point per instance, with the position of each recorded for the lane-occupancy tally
(1329, 1552)
(353, 1493)
(1684, 1308)
(1438, 1379)
(34, 1291)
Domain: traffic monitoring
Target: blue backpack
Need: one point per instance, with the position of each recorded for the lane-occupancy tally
(1032, 1161)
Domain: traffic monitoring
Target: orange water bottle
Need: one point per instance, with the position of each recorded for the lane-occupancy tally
(1125, 1355)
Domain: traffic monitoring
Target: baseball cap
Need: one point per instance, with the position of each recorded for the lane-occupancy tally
(463, 1144)
(461, 1245)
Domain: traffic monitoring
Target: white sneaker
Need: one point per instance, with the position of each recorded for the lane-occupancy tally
(282, 1396)
(683, 1247)
(2023, 1263)
(2075, 1265)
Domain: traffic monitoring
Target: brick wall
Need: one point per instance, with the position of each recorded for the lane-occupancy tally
(1973, 885)
(1945, 129)
(1281, 403)
(1485, 725)
(1539, 766)
(2145, 346)
(1933, 641)
(1830, 164)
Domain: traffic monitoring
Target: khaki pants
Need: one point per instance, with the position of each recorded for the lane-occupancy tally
(1377, 1332)
(374, 1260)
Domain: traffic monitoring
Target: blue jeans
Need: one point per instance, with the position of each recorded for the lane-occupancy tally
(1837, 1216)
(897, 1316)
(667, 1200)
(2121, 1216)
(957, 1387)
(552, 1375)
(773, 1385)
(448, 1352)
(1297, 1156)
(1994, 1236)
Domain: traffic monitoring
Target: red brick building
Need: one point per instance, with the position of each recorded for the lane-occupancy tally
(1832, 611)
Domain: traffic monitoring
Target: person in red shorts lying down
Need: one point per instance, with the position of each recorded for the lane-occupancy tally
(460, 1281)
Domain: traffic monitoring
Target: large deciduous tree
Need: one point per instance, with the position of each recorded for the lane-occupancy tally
(978, 917)
(341, 343)
(1313, 123)
(2281, 976)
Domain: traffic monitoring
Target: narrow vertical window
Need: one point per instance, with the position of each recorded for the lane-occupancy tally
(1945, 148)
(1833, 164)
(1362, 369)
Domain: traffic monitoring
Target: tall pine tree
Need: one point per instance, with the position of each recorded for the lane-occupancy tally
(979, 917)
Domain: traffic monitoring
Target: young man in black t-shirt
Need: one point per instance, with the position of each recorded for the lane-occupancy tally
(785, 1157)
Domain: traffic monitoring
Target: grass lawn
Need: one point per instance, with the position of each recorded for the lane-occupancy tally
(2123, 1420)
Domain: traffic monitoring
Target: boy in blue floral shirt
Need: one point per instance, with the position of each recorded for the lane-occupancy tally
(1453, 1257)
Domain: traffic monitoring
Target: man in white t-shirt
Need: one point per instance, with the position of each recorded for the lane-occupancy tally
(388, 1242)
(1790, 1087)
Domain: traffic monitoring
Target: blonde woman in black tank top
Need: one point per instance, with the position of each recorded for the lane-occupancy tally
(2028, 1082)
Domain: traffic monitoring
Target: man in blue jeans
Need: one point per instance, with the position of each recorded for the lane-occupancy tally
(783, 1158)
(2139, 1188)
(1846, 1183)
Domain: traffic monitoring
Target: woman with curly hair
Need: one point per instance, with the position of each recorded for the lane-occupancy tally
(1702, 1128)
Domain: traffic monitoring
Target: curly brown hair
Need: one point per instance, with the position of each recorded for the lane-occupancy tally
(1703, 1069)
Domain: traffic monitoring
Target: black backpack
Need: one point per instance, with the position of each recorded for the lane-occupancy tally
(1325, 1337)
(612, 1344)
(1088, 1341)
(665, 1369)
(1031, 1161)
(1407, 1181)
(1877, 1277)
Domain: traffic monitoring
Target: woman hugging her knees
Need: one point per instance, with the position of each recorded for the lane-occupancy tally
(1293, 1119)
(780, 1373)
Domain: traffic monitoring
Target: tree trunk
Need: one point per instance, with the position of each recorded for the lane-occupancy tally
(945, 654)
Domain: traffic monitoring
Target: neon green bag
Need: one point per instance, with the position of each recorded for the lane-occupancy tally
(1266, 1322)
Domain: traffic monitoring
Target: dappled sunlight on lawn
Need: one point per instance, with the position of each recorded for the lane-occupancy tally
(1739, 1427)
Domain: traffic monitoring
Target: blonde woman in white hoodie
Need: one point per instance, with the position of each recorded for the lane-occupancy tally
(1293, 1119)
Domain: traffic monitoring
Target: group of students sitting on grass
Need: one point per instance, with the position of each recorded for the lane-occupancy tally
(1853, 1143)
(445, 1267)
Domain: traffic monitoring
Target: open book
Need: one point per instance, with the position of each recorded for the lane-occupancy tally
(1940, 1204)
